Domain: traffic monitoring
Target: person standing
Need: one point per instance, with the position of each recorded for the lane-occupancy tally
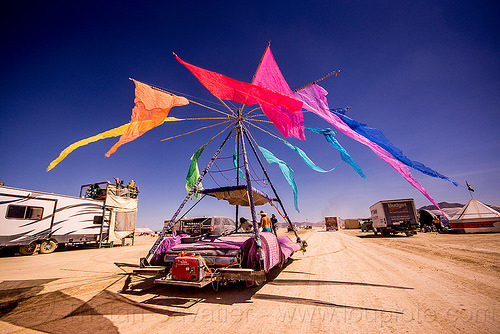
(265, 222)
(274, 222)
(437, 223)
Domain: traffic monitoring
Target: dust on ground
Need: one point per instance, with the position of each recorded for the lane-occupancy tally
(347, 281)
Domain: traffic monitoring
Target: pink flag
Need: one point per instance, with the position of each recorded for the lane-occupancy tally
(314, 98)
(289, 122)
(226, 88)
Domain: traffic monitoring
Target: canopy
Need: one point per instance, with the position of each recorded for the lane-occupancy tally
(476, 217)
(237, 195)
(426, 217)
(476, 210)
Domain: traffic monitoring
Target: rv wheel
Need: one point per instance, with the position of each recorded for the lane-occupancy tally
(27, 249)
(48, 246)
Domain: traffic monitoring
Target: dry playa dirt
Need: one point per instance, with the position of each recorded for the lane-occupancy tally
(346, 282)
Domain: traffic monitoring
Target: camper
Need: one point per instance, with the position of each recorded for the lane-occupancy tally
(33, 220)
(393, 216)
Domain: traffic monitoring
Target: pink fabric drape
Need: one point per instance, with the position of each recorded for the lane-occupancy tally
(314, 98)
(226, 88)
(289, 122)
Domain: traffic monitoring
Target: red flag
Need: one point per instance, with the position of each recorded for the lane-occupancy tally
(226, 88)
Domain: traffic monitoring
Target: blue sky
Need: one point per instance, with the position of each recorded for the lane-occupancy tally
(426, 73)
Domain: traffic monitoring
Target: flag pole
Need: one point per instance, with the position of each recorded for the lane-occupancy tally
(312, 83)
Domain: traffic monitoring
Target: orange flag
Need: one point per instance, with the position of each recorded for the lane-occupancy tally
(151, 108)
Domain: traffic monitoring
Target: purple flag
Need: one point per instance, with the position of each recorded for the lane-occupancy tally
(314, 98)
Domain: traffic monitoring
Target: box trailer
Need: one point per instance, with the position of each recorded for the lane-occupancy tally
(331, 223)
(351, 223)
(31, 220)
(393, 216)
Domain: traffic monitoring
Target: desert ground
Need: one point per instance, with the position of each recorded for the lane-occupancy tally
(346, 282)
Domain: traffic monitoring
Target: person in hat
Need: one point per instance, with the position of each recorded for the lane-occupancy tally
(265, 222)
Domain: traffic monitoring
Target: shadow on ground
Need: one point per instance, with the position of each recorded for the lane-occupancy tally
(182, 296)
(55, 312)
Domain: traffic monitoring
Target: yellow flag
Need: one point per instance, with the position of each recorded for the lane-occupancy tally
(107, 134)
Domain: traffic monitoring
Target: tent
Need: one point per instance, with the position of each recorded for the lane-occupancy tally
(426, 217)
(475, 217)
(143, 230)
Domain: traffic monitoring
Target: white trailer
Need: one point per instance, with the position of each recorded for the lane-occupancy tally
(32, 219)
(394, 216)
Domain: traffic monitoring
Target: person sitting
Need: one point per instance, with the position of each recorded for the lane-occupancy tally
(245, 225)
(265, 222)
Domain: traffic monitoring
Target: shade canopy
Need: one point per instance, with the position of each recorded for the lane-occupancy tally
(237, 195)
(476, 210)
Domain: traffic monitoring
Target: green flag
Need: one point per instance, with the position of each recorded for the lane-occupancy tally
(194, 173)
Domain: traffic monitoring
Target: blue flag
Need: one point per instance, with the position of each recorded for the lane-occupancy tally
(329, 136)
(286, 170)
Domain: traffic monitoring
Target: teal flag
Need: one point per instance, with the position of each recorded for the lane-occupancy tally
(306, 159)
(193, 172)
(235, 163)
(329, 136)
(286, 170)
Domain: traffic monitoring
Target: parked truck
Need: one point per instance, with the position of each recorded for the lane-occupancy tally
(33, 220)
(394, 216)
(331, 223)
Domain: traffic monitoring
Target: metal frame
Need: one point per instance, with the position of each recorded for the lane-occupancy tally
(247, 274)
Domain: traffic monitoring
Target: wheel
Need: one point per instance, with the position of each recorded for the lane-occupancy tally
(47, 247)
(27, 249)
(258, 283)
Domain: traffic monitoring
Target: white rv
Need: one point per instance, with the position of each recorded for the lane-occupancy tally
(33, 219)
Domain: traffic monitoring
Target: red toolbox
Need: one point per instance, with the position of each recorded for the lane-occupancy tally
(187, 268)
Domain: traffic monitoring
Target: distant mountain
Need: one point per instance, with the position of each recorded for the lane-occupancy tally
(442, 205)
(446, 205)
(299, 224)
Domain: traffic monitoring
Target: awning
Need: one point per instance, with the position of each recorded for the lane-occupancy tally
(237, 195)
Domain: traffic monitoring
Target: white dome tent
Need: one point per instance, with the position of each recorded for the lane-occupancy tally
(475, 217)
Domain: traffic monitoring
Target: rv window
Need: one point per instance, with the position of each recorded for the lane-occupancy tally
(24, 212)
(34, 212)
(15, 211)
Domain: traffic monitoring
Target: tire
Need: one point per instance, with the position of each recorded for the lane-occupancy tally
(258, 283)
(27, 249)
(47, 247)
